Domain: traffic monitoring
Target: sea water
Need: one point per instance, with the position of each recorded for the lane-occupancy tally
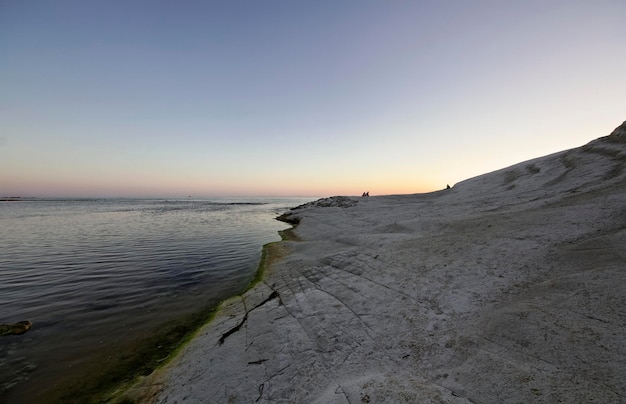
(92, 275)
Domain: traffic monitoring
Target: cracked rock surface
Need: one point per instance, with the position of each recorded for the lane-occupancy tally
(509, 287)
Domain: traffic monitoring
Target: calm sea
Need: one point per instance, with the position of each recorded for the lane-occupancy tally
(92, 275)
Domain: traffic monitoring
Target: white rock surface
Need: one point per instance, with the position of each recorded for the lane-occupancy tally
(508, 288)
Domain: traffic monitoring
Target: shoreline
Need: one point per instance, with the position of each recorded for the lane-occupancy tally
(145, 388)
(138, 357)
(511, 279)
(52, 372)
(119, 381)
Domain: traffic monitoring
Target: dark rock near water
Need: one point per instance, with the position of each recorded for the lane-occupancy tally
(16, 328)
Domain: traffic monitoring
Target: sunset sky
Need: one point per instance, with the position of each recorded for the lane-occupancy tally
(294, 98)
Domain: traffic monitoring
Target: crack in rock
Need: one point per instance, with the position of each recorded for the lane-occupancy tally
(273, 295)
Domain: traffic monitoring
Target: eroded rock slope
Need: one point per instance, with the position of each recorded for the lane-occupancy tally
(509, 287)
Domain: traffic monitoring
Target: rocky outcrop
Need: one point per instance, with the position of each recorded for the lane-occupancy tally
(619, 134)
(509, 287)
(16, 328)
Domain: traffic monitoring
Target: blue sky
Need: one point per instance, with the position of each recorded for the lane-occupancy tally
(237, 98)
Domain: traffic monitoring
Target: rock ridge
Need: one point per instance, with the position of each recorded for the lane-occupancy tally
(508, 287)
